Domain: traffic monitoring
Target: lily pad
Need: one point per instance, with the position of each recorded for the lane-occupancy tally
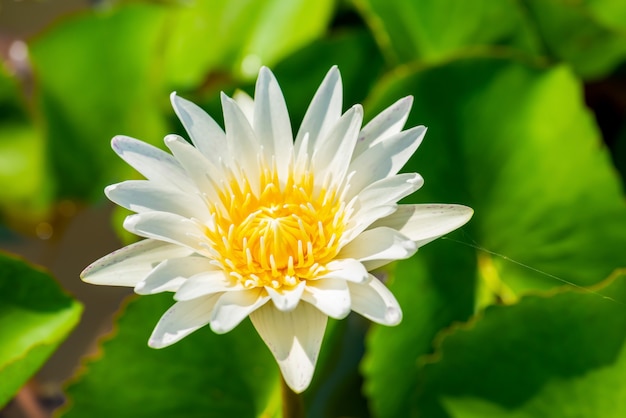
(237, 37)
(204, 375)
(518, 145)
(587, 35)
(26, 188)
(97, 78)
(560, 354)
(35, 317)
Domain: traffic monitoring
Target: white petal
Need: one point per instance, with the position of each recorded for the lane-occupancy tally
(246, 104)
(389, 190)
(323, 112)
(182, 319)
(378, 200)
(366, 216)
(242, 142)
(294, 338)
(233, 307)
(379, 246)
(286, 299)
(347, 269)
(271, 120)
(167, 227)
(387, 123)
(200, 170)
(333, 152)
(151, 162)
(375, 302)
(330, 296)
(129, 265)
(144, 196)
(171, 274)
(384, 159)
(210, 281)
(425, 223)
(303, 159)
(205, 133)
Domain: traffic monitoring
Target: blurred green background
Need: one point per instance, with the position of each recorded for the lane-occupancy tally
(522, 313)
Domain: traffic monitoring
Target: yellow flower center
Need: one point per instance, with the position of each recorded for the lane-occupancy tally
(279, 236)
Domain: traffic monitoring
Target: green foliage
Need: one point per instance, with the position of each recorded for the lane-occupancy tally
(354, 52)
(435, 30)
(35, 317)
(210, 375)
(559, 354)
(26, 191)
(237, 37)
(434, 289)
(588, 35)
(498, 132)
(103, 85)
(511, 172)
(580, 34)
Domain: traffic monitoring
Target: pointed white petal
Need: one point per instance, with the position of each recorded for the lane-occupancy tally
(153, 163)
(366, 216)
(294, 338)
(384, 159)
(286, 299)
(129, 265)
(233, 307)
(167, 227)
(387, 123)
(330, 296)
(375, 302)
(378, 200)
(323, 112)
(379, 246)
(246, 104)
(303, 159)
(347, 269)
(425, 223)
(333, 152)
(211, 280)
(171, 274)
(182, 319)
(389, 190)
(205, 133)
(200, 170)
(242, 142)
(144, 196)
(271, 120)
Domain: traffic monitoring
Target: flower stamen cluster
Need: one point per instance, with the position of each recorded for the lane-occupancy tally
(279, 237)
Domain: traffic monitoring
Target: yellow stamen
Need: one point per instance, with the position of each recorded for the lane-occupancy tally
(279, 236)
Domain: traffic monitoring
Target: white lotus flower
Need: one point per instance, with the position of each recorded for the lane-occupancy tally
(250, 222)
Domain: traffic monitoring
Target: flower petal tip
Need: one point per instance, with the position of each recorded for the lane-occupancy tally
(416, 180)
(298, 386)
(177, 103)
(116, 143)
(109, 189)
(83, 274)
(218, 328)
(130, 221)
(463, 214)
(393, 316)
(171, 138)
(265, 72)
(156, 343)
